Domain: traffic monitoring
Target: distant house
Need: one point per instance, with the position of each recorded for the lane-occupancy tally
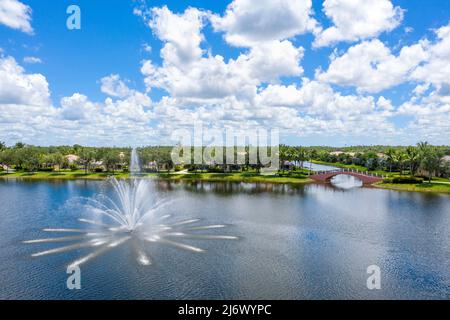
(446, 160)
(97, 165)
(423, 172)
(155, 166)
(339, 153)
(152, 166)
(6, 168)
(72, 158)
(288, 165)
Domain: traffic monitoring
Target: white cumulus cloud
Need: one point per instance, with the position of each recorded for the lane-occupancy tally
(355, 20)
(113, 86)
(16, 15)
(32, 60)
(19, 87)
(188, 72)
(436, 70)
(371, 67)
(246, 22)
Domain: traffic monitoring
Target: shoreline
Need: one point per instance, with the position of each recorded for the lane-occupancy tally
(206, 177)
(436, 188)
(223, 177)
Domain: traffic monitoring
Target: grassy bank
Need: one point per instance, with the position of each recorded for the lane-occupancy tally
(237, 177)
(354, 167)
(438, 186)
(423, 187)
(212, 177)
(64, 175)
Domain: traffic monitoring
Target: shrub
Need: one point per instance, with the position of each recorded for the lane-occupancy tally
(98, 170)
(73, 167)
(216, 169)
(404, 180)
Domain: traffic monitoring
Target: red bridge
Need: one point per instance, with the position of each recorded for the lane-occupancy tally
(365, 177)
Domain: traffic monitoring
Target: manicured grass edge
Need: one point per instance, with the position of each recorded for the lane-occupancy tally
(218, 177)
(424, 187)
(211, 177)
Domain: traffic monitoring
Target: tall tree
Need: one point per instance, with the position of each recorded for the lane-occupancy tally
(431, 162)
(19, 145)
(412, 157)
(423, 146)
(400, 159)
(86, 157)
(111, 160)
(283, 155)
(300, 156)
(390, 158)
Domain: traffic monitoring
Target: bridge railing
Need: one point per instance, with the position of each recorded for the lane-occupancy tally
(344, 170)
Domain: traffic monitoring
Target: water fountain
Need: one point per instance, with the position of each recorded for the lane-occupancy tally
(135, 166)
(130, 215)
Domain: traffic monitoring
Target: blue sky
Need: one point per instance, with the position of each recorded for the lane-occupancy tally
(314, 76)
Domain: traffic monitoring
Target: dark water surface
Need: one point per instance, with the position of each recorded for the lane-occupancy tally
(313, 241)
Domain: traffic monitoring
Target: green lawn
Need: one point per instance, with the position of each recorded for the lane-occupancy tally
(440, 180)
(237, 177)
(355, 167)
(423, 187)
(69, 175)
(213, 177)
(439, 185)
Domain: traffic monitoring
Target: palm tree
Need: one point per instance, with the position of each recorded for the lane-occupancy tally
(86, 157)
(390, 158)
(423, 146)
(300, 155)
(283, 155)
(111, 160)
(291, 155)
(431, 162)
(400, 158)
(59, 160)
(412, 156)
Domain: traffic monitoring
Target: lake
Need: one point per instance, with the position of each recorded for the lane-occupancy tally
(318, 167)
(312, 241)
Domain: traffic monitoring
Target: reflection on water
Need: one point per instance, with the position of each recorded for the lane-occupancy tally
(345, 181)
(296, 242)
(230, 187)
(318, 167)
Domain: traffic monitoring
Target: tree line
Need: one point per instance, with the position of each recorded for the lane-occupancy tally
(422, 158)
